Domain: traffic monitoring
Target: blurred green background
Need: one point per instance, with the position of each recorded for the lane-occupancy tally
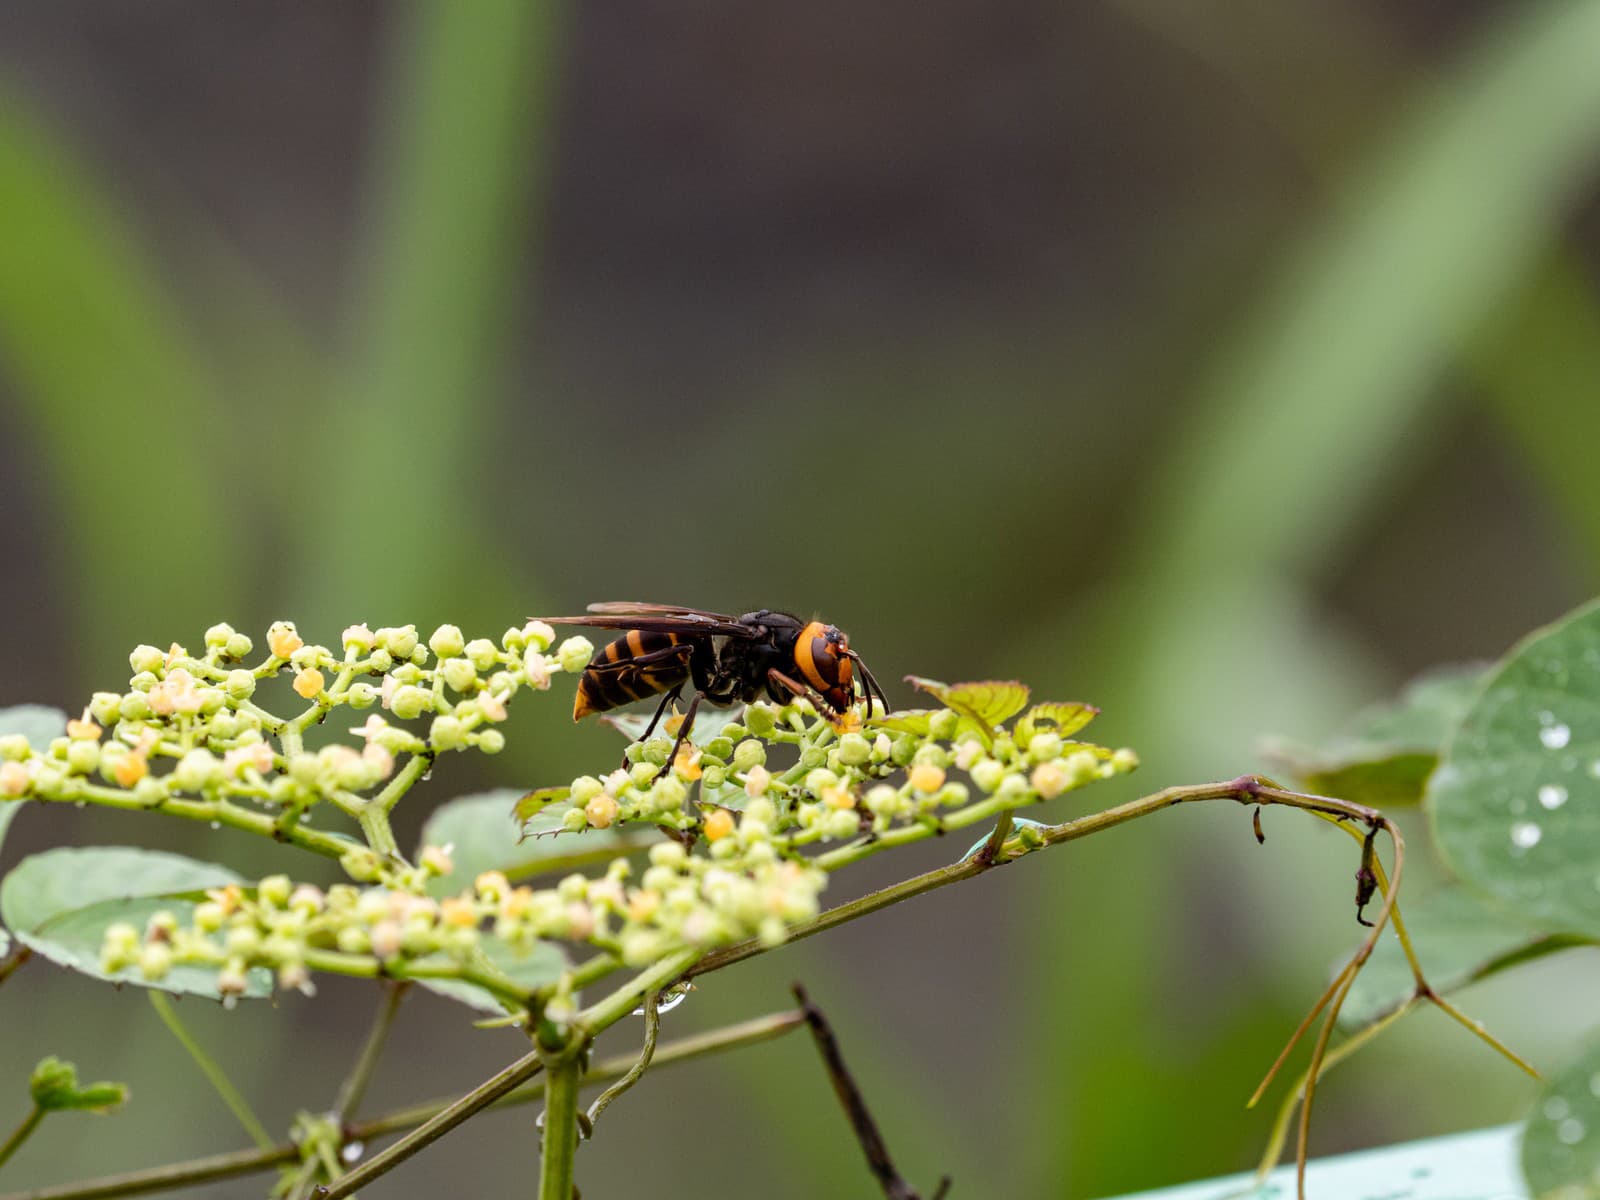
(1220, 363)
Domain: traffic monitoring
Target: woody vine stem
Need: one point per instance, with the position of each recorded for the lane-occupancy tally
(751, 846)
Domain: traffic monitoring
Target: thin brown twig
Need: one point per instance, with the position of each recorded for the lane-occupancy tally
(855, 1105)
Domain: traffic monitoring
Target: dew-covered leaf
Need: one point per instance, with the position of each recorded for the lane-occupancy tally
(1458, 939)
(1561, 1140)
(539, 966)
(61, 902)
(709, 722)
(1063, 718)
(988, 701)
(1388, 751)
(486, 835)
(1515, 800)
(1016, 823)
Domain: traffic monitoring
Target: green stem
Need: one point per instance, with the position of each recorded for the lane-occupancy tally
(175, 1175)
(214, 1074)
(365, 966)
(416, 767)
(374, 823)
(562, 1076)
(21, 1133)
(19, 955)
(652, 1028)
(355, 1085)
(204, 810)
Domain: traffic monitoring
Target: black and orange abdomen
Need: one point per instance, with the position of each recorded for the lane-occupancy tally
(636, 665)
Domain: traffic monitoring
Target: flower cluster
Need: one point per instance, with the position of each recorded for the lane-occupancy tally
(192, 726)
(895, 772)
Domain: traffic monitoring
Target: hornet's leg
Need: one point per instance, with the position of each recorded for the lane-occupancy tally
(795, 687)
(683, 730)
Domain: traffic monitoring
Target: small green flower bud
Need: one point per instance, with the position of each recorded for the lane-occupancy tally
(954, 795)
(761, 718)
(1124, 760)
(483, 655)
(217, 636)
(353, 939)
(854, 750)
(713, 776)
(669, 792)
(212, 701)
(155, 960)
(813, 757)
(538, 635)
(574, 654)
(14, 747)
(361, 695)
(398, 642)
(1044, 746)
(197, 770)
(446, 733)
(904, 749)
(882, 801)
(83, 757)
(656, 751)
(641, 773)
(931, 756)
(274, 890)
(105, 707)
(1012, 789)
(718, 747)
(585, 788)
(458, 673)
(943, 724)
(149, 790)
(841, 823)
(240, 684)
(575, 819)
(380, 661)
(134, 707)
(490, 741)
(238, 645)
(146, 659)
(749, 753)
(987, 774)
(409, 702)
(820, 780)
(734, 731)
(668, 854)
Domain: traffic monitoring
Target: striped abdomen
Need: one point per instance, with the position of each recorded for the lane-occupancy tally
(617, 676)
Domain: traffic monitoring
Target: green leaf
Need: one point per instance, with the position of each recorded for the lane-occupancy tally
(531, 804)
(538, 967)
(35, 722)
(484, 832)
(1561, 1140)
(54, 1087)
(917, 721)
(1063, 719)
(1458, 940)
(988, 701)
(1385, 756)
(1516, 798)
(60, 904)
(708, 723)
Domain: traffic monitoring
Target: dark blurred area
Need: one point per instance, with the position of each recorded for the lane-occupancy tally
(1221, 364)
